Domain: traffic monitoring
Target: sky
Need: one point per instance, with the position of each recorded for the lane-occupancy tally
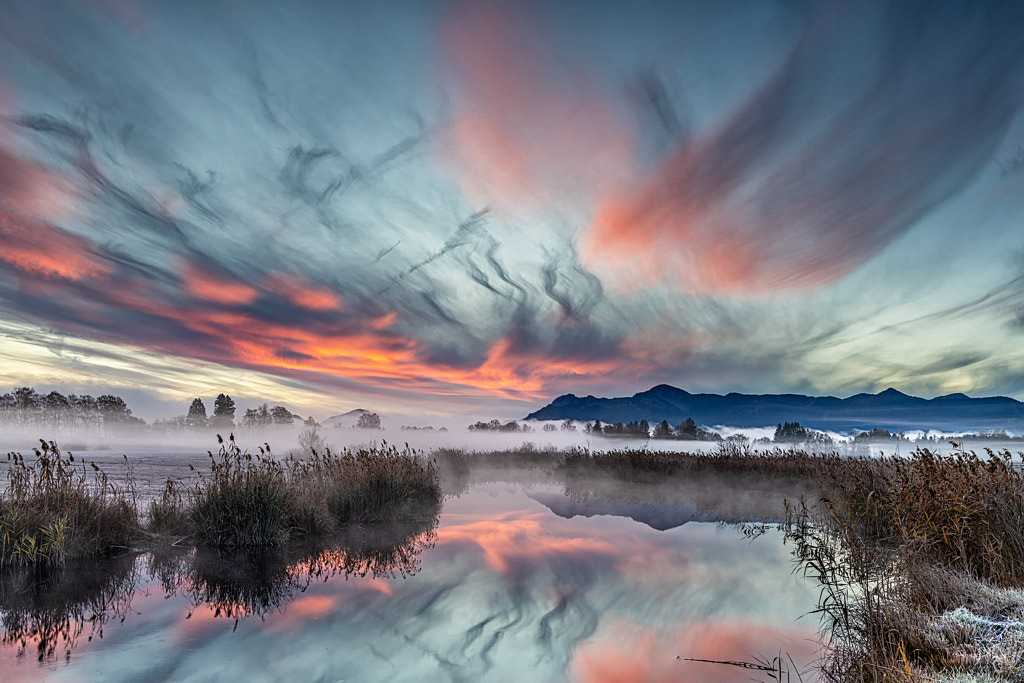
(455, 208)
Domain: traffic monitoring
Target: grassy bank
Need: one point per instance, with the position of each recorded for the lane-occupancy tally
(54, 508)
(921, 560)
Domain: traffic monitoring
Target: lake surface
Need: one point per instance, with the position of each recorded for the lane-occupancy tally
(513, 581)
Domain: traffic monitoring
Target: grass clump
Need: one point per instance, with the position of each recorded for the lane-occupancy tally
(244, 501)
(252, 500)
(369, 484)
(53, 509)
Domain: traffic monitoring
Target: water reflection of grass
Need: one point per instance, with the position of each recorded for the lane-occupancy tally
(237, 583)
(50, 608)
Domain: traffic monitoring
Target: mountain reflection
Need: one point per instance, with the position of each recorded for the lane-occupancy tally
(51, 610)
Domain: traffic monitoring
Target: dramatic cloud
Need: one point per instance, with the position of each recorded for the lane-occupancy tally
(882, 111)
(529, 124)
(500, 202)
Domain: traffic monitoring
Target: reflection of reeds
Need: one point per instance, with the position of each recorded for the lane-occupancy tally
(51, 607)
(237, 583)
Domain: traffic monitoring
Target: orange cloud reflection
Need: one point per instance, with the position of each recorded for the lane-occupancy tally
(625, 652)
(514, 538)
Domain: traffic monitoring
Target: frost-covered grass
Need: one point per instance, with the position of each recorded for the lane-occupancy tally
(921, 562)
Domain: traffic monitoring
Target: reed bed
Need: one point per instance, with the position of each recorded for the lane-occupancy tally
(921, 563)
(726, 458)
(53, 509)
(252, 500)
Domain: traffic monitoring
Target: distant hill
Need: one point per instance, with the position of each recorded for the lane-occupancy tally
(345, 419)
(889, 409)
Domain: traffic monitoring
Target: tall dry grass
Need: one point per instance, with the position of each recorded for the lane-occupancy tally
(53, 509)
(726, 458)
(920, 562)
(249, 500)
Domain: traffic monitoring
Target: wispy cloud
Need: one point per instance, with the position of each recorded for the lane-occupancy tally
(465, 202)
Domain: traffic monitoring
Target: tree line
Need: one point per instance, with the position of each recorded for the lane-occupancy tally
(26, 408)
(223, 416)
(687, 430)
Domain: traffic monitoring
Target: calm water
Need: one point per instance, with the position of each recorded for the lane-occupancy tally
(513, 582)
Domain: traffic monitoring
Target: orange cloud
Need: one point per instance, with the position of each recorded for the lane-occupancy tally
(665, 230)
(215, 287)
(40, 249)
(30, 198)
(529, 127)
(297, 289)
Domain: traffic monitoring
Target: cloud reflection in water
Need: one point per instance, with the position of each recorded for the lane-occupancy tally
(507, 591)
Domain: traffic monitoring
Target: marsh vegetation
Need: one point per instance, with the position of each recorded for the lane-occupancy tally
(920, 558)
(54, 508)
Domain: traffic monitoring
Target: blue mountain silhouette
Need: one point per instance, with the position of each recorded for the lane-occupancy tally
(889, 409)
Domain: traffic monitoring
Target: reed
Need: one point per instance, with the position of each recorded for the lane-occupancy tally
(726, 458)
(53, 509)
(254, 500)
(921, 564)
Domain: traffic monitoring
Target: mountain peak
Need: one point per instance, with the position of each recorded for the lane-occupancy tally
(663, 390)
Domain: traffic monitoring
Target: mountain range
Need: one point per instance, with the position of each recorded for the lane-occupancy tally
(889, 409)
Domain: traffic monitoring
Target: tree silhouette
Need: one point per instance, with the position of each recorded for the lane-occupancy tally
(223, 412)
(196, 417)
(368, 421)
(280, 415)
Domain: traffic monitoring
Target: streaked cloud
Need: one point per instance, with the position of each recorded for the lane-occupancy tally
(492, 203)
